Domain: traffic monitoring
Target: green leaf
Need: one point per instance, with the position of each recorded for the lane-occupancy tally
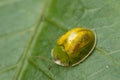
(29, 30)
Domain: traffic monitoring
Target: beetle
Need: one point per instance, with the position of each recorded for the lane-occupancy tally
(74, 46)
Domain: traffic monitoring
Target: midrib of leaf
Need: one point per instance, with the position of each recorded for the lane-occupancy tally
(27, 52)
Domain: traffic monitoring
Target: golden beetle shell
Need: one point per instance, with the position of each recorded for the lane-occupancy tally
(73, 47)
